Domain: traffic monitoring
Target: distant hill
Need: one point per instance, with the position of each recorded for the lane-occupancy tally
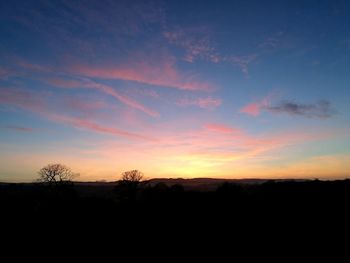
(197, 184)
(209, 184)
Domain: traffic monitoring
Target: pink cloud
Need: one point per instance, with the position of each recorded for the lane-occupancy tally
(217, 143)
(205, 103)
(254, 109)
(220, 143)
(105, 89)
(95, 127)
(124, 99)
(165, 75)
(221, 128)
(27, 100)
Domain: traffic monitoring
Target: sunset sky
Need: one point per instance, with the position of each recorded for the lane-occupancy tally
(224, 89)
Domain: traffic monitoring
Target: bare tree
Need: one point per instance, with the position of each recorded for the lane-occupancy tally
(56, 173)
(132, 176)
(129, 185)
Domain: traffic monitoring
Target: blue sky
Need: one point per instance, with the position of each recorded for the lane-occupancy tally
(175, 88)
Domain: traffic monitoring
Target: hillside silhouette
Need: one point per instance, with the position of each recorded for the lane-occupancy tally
(167, 218)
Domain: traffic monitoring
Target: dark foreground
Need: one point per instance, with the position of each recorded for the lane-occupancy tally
(160, 222)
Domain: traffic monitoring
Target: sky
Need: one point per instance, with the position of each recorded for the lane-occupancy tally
(221, 89)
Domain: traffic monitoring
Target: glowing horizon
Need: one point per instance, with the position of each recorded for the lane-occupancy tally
(225, 90)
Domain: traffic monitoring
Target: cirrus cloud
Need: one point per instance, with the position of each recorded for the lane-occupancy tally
(105, 89)
(205, 103)
(40, 104)
(162, 75)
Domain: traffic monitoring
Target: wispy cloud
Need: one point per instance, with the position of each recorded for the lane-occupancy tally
(124, 99)
(270, 42)
(320, 109)
(243, 62)
(163, 74)
(273, 41)
(198, 45)
(95, 127)
(18, 128)
(34, 67)
(205, 103)
(87, 107)
(64, 83)
(86, 83)
(143, 92)
(23, 98)
(195, 42)
(222, 128)
(38, 103)
(213, 146)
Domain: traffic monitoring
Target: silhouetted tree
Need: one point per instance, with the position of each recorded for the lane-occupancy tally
(128, 186)
(132, 176)
(54, 174)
